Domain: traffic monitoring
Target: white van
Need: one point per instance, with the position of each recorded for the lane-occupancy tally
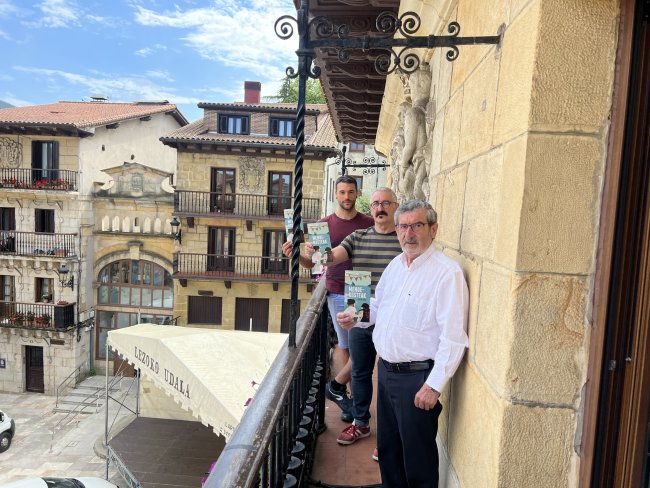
(7, 430)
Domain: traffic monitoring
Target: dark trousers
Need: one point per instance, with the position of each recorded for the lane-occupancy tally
(363, 354)
(406, 435)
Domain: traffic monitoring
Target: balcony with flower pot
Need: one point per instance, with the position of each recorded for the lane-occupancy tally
(37, 315)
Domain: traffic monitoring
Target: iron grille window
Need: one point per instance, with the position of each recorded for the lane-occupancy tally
(234, 124)
(357, 147)
(204, 310)
(282, 127)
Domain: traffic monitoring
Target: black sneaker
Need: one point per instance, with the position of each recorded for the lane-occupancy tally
(347, 417)
(341, 399)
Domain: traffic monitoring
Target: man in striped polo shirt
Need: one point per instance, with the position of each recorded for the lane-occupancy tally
(371, 250)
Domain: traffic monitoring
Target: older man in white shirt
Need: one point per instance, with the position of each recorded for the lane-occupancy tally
(420, 307)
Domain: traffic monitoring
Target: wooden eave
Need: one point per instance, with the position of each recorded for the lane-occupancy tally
(353, 90)
(45, 130)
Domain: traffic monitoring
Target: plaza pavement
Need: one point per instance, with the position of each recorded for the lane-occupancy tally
(72, 451)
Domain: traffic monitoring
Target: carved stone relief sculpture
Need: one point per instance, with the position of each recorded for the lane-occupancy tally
(411, 167)
(11, 153)
(251, 175)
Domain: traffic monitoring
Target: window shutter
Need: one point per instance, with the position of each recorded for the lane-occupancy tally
(55, 155)
(244, 125)
(223, 124)
(274, 127)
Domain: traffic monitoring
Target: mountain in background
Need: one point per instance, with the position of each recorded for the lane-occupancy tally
(4, 104)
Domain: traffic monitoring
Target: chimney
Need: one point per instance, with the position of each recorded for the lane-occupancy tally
(252, 90)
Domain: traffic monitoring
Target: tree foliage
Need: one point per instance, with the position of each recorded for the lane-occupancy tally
(288, 92)
(363, 204)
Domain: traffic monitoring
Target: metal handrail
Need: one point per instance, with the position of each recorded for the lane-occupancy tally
(80, 407)
(38, 243)
(217, 204)
(272, 268)
(64, 383)
(38, 179)
(276, 436)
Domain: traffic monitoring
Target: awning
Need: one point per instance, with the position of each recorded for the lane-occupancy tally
(211, 373)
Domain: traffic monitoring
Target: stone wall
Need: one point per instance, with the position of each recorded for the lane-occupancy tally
(515, 152)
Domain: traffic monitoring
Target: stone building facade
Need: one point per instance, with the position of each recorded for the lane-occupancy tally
(51, 157)
(235, 178)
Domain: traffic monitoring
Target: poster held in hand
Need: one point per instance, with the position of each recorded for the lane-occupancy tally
(357, 295)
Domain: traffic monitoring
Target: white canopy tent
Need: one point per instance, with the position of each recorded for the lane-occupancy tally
(211, 373)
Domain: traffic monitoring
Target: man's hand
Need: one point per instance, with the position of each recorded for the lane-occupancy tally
(345, 320)
(287, 248)
(309, 250)
(425, 398)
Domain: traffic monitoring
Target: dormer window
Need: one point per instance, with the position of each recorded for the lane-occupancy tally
(234, 124)
(357, 147)
(282, 127)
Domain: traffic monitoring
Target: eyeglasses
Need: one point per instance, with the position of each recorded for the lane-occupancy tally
(416, 227)
(384, 204)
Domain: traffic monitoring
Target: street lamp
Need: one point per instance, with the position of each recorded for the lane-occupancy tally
(63, 277)
(176, 231)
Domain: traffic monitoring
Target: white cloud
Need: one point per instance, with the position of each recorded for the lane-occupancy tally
(7, 7)
(160, 74)
(118, 87)
(147, 51)
(58, 13)
(4, 35)
(235, 33)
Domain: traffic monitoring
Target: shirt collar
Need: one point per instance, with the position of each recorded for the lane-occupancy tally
(417, 262)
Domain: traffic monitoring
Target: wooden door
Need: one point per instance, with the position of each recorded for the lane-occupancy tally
(279, 191)
(621, 456)
(222, 190)
(252, 314)
(34, 369)
(221, 249)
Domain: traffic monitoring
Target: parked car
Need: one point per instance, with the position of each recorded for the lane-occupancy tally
(60, 483)
(7, 430)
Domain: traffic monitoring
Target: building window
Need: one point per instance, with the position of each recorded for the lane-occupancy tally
(44, 220)
(221, 249)
(222, 189)
(125, 288)
(204, 310)
(44, 290)
(7, 288)
(45, 160)
(234, 124)
(7, 218)
(282, 127)
(359, 182)
(357, 147)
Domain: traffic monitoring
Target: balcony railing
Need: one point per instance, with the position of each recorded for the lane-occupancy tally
(233, 267)
(273, 445)
(36, 315)
(198, 203)
(38, 179)
(37, 244)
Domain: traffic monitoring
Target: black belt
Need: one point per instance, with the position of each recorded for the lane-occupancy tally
(408, 367)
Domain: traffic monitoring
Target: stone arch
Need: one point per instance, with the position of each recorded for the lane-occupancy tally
(116, 224)
(126, 224)
(168, 226)
(147, 226)
(106, 223)
(157, 226)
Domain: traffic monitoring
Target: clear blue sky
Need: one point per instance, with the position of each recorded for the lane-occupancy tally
(187, 51)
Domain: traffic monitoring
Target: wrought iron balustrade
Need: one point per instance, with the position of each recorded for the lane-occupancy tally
(37, 244)
(39, 179)
(273, 445)
(228, 266)
(37, 315)
(241, 205)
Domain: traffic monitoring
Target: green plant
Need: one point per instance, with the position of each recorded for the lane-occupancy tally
(46, 318)
(363, 204)
(92, 372)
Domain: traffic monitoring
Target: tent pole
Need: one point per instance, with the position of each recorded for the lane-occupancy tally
(106, 413)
